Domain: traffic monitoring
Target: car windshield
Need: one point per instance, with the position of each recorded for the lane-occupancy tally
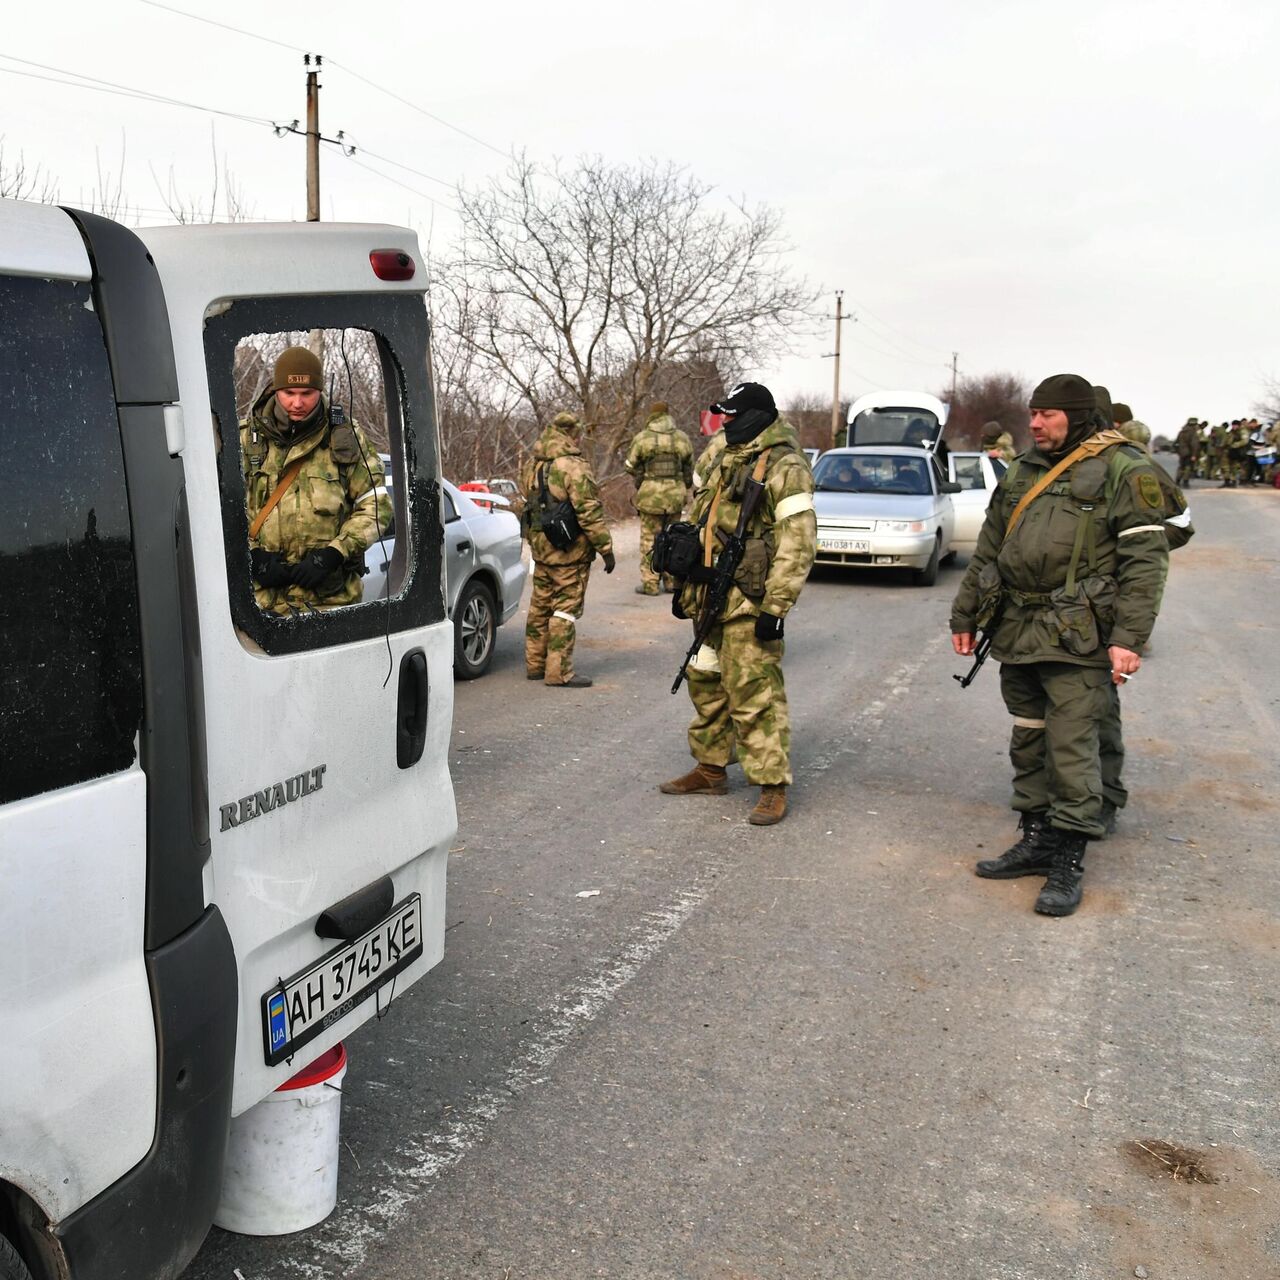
(871, 473)
(895, 426)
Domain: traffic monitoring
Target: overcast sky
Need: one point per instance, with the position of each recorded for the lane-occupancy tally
(1040, 187)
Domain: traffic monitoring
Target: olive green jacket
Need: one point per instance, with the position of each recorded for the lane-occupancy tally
(568, 475)
(1118, 493)
(660, 461)
(338, 500)
(784, 532)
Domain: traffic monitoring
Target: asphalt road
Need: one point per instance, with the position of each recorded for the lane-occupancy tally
(825, 1049)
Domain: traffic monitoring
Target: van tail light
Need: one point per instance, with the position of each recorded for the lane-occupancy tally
(392, 264)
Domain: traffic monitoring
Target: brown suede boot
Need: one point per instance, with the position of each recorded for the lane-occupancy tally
(702, 780)
(771, 807)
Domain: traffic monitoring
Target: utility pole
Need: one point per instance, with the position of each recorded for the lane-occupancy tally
(313, 137)
(835, 390)
(955, 360)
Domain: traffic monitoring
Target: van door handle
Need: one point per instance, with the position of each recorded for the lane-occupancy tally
(464, 546)
(411, 709)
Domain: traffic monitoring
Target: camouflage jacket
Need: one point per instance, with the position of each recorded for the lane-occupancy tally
(568, 475)
(707, 460)
(1002, 447)
(339, 499)
(1119, 497)
(783, 536)
(1188, 442)
(660, 461)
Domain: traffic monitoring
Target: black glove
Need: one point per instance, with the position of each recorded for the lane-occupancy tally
(768, 627)
(610, 564)
(316, 566)
(677, 609)
(269, 568)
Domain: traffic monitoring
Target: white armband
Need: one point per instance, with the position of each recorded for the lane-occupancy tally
(793, 506)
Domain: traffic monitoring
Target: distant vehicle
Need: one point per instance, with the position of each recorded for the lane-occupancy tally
(912, 418)
(484, 574)
(886, 507)
(977, 474)
(476, 489)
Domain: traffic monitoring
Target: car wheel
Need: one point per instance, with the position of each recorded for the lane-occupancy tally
(11, 1265)
(927, 576)
(475, 626)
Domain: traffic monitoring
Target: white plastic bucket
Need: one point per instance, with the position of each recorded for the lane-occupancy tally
(281, 1171)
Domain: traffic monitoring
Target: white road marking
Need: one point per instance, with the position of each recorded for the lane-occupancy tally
(343, 1241)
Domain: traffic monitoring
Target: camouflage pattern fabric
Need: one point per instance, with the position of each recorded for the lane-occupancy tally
(740, 704)
(1138, 432)
(790, 538)
(735, 680)
(1057, 710)
(559, 596)
(339, 499)
(1003, 447)
(649, 526)
(660, 461)
(1188, 447)
(707, 460)
(568, 475)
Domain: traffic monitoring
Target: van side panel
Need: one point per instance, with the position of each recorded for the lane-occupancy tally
(77, 1074)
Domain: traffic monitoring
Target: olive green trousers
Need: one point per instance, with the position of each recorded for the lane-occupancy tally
(1058, 710)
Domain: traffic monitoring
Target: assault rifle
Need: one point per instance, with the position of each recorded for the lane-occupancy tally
(981, 649)
(719, 579)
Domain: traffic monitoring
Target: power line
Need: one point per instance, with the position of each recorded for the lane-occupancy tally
(351, 71)
(386, 177)
(373, 155)
(884, 324)
(92, 83)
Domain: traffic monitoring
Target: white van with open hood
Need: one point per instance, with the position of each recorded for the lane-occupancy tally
(912, 418)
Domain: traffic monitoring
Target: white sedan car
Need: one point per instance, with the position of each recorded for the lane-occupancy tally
(484, 574)
(977, 474)
(884, 506)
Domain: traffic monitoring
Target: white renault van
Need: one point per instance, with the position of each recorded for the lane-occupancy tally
(223, 833)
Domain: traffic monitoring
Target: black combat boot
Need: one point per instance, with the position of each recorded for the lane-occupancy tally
(1029, 857)
(1063, 890)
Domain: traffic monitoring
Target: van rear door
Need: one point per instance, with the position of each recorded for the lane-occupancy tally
(326, 731)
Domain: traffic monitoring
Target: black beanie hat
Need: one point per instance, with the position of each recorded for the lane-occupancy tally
(1103, 399)
(1121, 413)
(1065, 391)
(746, 395)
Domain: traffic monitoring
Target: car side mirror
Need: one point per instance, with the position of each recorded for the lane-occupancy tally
(950, 486)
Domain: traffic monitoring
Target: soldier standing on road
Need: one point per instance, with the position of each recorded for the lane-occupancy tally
(735, 679)
(660, 461)
(315, 493)
(1077, 566)
(997, 442)
(1188, 446)
(560, 575)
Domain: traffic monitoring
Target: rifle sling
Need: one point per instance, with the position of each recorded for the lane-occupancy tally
(1093, 446)
(757, 474)
(286, 481)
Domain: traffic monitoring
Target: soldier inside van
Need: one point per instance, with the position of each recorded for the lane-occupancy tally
(315, 493)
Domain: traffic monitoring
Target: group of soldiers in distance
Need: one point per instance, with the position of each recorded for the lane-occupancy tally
(1234, 453)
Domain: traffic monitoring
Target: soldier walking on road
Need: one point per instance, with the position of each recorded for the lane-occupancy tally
(660, 461)
(315, 493)
(1071, 560)
(735, 679)
(997, 442)
(557, 473)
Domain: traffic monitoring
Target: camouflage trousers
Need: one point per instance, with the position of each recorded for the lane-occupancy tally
(559, 593)
(649, 526)
(1058, 710)
(740, 702)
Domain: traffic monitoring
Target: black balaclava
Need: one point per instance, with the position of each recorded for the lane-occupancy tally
(751, 407)
(1077, 398)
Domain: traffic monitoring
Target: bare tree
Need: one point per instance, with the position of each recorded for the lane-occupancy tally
(987, 397)
(1267, 407)
(17, 182)
(188, 209)
(810, 414)
(582, 287)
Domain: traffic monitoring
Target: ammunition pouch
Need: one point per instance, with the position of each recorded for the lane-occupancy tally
(753, 569)
(677, 550)
(662, 466)
(1084, 614)
(556, 521)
